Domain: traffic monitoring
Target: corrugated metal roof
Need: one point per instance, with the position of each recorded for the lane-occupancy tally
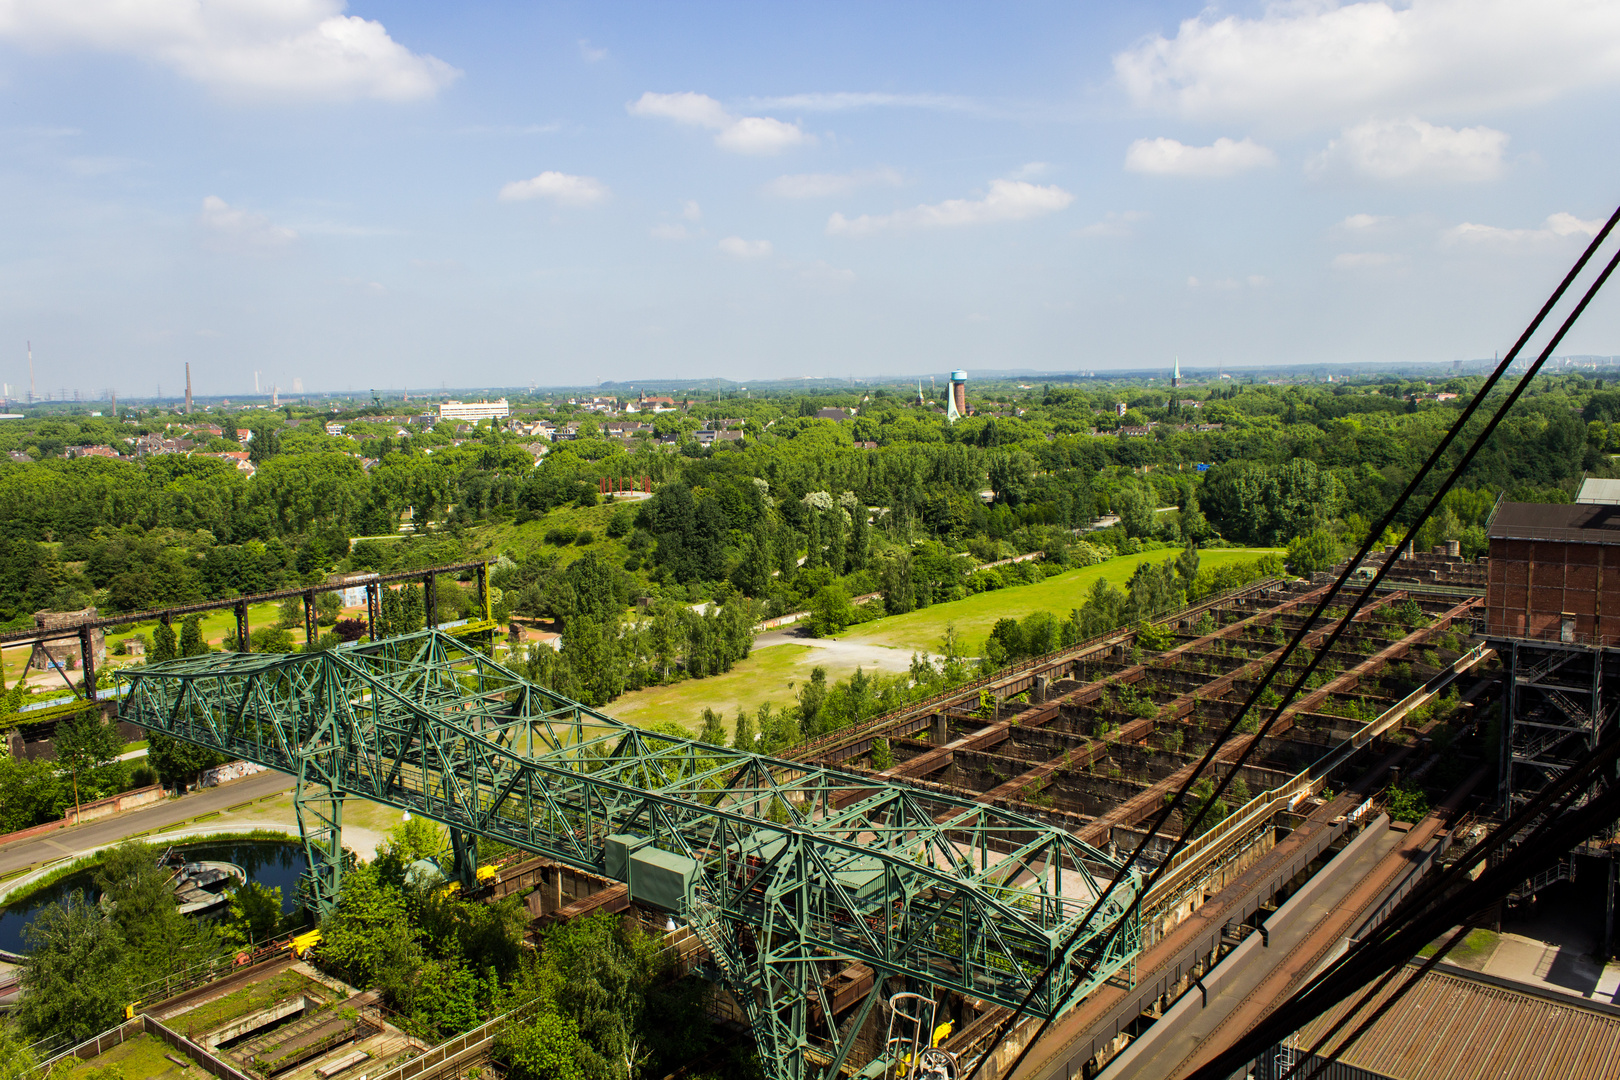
(1593, 490)
(1581, 523)
(1455, 1028)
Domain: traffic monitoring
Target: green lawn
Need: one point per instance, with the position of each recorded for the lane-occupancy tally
(142, 1057)
(765, 676)
(975, 615)
(1472, 952)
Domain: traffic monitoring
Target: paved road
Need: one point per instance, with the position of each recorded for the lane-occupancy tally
(72, 841)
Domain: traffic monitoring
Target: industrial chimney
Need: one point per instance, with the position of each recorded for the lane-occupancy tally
(188, 388)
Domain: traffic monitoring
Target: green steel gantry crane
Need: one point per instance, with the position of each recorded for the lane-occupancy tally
(785, 871)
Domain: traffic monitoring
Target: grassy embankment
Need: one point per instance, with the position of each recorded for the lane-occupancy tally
(772, 673)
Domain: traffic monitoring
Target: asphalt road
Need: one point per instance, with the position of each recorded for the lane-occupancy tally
(110, 830)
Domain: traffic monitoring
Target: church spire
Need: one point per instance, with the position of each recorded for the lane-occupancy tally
(1175, 374)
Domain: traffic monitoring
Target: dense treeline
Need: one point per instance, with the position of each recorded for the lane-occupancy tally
(795, 508)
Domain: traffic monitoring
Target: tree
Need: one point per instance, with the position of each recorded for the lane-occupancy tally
(1005, 644)
(895, 578)
(75, 983)
(83, 745)
(290, 613)
(744, 739)
(882, 756)
(860, 532)
(1313, 551)
(16, 1059)
(254, 913)
(590, 646)
(368, 938)
(271, 639)
(714, 729)
(30, 793)
(547, 1047)
(164, 647)
(191, 639)
(830, 611)
(812, 701)
(158, 940)
(328, 608)
(178, 762)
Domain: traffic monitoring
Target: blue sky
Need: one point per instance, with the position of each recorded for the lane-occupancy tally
(391, 194)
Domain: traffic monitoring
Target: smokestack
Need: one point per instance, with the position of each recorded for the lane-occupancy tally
(188, 388)
(115, 403)
(30, 373)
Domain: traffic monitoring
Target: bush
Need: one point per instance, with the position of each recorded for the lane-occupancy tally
(562, 536)
(985, 581)
(350, 629)
(583, 537)
(1408, 802)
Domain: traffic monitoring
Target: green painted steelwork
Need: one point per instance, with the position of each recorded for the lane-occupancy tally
(799, 869)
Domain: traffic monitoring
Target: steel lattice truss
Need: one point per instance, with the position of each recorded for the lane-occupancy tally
(800, 868)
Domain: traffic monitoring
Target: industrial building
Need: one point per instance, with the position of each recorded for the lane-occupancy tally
(474, 410)
(1552, 604)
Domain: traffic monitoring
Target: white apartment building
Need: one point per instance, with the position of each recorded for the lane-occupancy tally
(473, 410)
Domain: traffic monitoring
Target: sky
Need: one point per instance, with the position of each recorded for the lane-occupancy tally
(424, 195)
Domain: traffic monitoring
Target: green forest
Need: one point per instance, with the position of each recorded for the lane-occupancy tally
(796, 513)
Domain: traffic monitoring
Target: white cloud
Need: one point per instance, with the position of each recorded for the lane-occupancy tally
(304, 49)
(562, 188)
(1225, 157)
(738, 248)
(760, 135)
(231, 229)
(1362, 221)
(590, 53)
(700, 110)
(674, 231)
(1412, 149)
(1114, 224)
(1306, 65)
(1007, 200)
(1031, 171)
(825, 185)
(738, 134)
(1559, 226)
(1365, 260)
(691, 211)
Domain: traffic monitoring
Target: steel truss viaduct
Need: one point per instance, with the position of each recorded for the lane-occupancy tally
(786, 871)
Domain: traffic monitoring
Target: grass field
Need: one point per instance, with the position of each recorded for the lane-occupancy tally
(774, 672)
(763, 677)
(975, 615)
(142, 1057)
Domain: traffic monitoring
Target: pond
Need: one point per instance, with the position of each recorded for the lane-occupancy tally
(272, 863)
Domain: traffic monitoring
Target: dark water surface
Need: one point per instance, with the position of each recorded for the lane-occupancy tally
(271, 863)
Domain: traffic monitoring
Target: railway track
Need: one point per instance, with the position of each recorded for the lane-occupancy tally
(848, 742)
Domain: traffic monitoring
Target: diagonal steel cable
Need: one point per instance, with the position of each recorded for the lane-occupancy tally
(1373, 534)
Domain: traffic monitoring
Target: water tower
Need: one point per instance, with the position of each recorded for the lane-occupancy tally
(956, 403)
